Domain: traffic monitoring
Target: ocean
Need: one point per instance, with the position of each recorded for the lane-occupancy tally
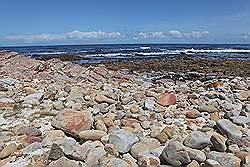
(129, 52)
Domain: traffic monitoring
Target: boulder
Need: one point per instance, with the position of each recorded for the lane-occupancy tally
(73, 122)
(123, 140)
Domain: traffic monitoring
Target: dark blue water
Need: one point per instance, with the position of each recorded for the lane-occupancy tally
(100, 53)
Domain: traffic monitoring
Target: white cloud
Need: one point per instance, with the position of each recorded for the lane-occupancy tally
(173, 34)
(74, 35)
(146, 35)
(246, 36)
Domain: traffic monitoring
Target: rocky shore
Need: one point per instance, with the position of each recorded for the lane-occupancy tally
(53, 113)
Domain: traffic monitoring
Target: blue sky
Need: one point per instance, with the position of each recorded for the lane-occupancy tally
(34, 22)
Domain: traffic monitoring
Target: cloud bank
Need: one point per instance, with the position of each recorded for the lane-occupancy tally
(101, 35)
(173, 34)
(74, 35)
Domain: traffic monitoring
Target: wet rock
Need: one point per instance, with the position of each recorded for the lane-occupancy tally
(166, 99)
(92, 134)
(73, 122)
(197, 140)
(123, 140)
(175, 154)
(229, 129)
(225, 159)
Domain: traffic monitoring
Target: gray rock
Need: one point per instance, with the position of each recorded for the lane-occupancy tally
(197, 140)
(228, 128)
(35, 96)
(195, 154)
(240, 120)
(55, 152)
(174, 154)
(66, 162)
(206, 108)
(247, 108)
(123, 140)
(225, 159)
(32, 148)
(149, 104)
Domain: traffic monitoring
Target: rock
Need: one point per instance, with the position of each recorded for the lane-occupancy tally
(55, 152)
(214, 116)
(146, 160)
(8, 150)
(166, 134)
(7, 103)
(33, 148)
(66, 162)
(114, 162)
(197, 140)
(149, 104)
(104, 99)
(73, 122)
(233, 148)
(174, 154)
(100, 125)
(32, 131)
(135, 109)
(195, 154)
(193, 114)
(225, 159)
(212, 163)
(111, 149)
(229, 129)
(166, 99)
(145, 145)
(244, 156)
(35, 96)
(123, 140)
(54, 136)
(206, 108)
(240, 120)
(193, 164)
(95, 154)
(92, 134)
(130, 160)
(219, 142)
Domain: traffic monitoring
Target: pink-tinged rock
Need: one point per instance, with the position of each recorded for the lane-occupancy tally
(96, 76)
(101, 71)
(32, 131)
(73, 122)
(34, 139)
(166, 99)
(104, 99)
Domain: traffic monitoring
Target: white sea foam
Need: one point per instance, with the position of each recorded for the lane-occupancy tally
(215, 51)
(145, 47)
(48, 53)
